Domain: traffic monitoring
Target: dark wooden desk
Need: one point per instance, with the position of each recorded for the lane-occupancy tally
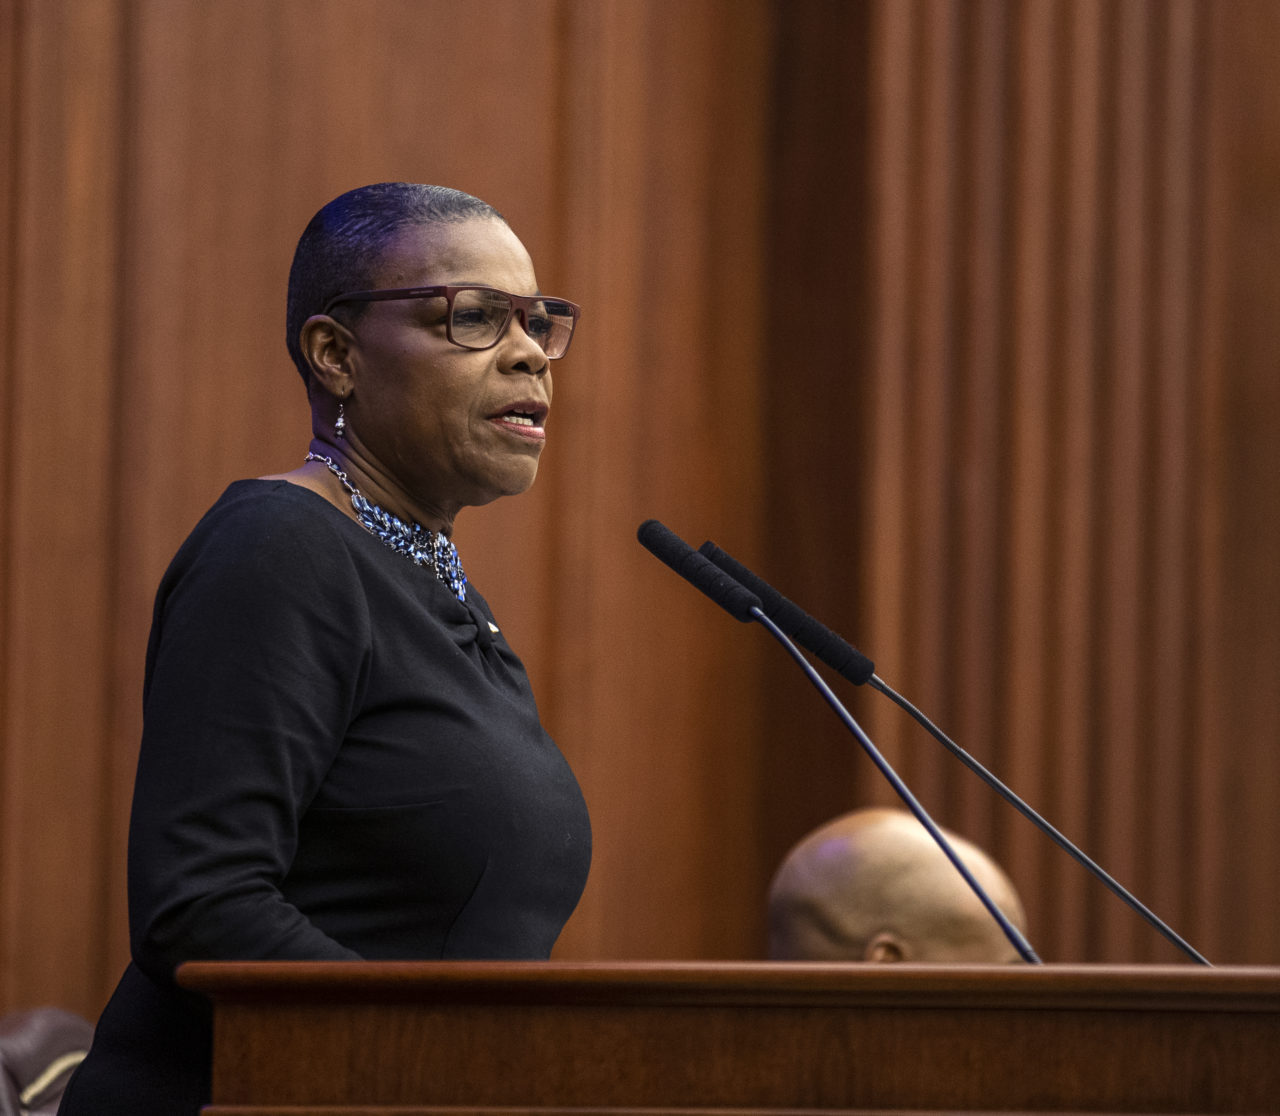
(413, 1038)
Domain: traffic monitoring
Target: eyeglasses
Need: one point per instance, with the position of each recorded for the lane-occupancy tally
(477, 317)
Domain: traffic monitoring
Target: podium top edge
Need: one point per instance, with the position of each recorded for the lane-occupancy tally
(1247, 988)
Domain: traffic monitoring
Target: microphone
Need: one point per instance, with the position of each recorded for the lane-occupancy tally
(857, 668)
(721, 587)
(745, 605)
(843, 658)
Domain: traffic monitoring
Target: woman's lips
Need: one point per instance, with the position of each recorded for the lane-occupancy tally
(525, 420)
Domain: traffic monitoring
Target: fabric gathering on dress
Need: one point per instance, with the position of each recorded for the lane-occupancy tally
(340, 761)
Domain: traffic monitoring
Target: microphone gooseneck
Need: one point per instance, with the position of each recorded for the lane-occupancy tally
(744, 604)
(838, 654)
(1100, 873)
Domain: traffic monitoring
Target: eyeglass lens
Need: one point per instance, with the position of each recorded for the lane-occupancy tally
(479, 317)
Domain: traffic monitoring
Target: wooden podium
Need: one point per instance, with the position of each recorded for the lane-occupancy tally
(414, 1038)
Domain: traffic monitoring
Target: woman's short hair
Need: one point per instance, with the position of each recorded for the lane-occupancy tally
(342, 247)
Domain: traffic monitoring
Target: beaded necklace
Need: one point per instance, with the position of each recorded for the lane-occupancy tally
(420, 544)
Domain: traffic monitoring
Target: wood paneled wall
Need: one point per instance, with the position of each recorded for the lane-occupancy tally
(955, 320)
(1060, 410)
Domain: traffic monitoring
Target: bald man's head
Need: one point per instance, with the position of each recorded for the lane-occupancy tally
(874, 886)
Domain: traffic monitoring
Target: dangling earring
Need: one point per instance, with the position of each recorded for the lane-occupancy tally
(340, 427)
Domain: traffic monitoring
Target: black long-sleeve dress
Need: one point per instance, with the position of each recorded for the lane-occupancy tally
(339, 760)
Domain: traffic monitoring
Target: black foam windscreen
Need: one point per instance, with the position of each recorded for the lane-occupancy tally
(832, 649)
(720, 586)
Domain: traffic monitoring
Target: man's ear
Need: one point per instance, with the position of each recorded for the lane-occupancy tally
(325, 344)
(884, 948)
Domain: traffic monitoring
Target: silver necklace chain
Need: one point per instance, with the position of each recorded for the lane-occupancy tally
(420, 544)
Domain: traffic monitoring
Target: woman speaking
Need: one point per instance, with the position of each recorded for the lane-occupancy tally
(341, 757)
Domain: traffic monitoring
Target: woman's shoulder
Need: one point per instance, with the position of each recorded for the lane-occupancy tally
(269, 567)
(268, 509)
(273, 497)
(261, 525)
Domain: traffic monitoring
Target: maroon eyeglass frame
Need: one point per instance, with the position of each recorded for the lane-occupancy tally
(520, 304)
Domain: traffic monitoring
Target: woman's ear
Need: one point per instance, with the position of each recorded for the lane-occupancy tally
(325, 343)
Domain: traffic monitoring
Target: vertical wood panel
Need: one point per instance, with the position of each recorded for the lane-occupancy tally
(816, 397)
(893, 123)
(1240, 832)
(1032, 426)
(605, 225)
(11, 43)
(932, 373)
(1213, 894)
(661, 697)
(1124, 506)
(983, 290)
(60, 360)
(1066, 902)
(1176, 460)
(1093, 464)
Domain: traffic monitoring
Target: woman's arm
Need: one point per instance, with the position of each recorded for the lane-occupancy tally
(258, 649)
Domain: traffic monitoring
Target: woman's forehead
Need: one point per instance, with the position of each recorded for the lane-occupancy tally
(481, 250)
